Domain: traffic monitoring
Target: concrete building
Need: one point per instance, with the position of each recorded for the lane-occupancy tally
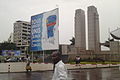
(10, 39)
(64, 49)
(21, 36)
(115, 47)
(93, 29)
(80, 35)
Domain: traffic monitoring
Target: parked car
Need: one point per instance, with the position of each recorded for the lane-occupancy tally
(12, 60)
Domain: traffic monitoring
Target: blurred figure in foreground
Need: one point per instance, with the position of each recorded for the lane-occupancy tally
(60, 71)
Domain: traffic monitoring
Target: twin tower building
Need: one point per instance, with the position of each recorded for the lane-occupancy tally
(93, 29)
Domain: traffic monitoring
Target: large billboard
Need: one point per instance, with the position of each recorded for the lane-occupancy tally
(44, 31)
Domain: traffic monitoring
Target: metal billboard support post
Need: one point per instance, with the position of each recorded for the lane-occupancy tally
(32, 56)
(43, 56)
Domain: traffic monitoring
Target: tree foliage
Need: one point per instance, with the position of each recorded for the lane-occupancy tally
(72, 41)
(7, 46)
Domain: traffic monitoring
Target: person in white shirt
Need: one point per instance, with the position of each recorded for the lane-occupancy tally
(60, 71)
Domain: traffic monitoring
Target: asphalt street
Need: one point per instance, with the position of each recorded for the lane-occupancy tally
(77, 74)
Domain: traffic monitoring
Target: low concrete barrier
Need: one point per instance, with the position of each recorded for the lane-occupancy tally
(20, 66)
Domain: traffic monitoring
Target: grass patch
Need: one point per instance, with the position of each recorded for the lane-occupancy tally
(96, 62)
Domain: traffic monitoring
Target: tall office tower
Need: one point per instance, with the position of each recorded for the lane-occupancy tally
(93, 29)
(80, 36)
(21, 36)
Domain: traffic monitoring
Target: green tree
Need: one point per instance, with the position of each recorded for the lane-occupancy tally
(7, 46)
(72, 41)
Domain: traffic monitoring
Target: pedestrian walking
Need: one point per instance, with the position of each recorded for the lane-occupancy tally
(60, 71)
(77, 60)
(28, 67)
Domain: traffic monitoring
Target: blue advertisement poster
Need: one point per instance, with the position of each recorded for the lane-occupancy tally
(36, 29)
(11, 52)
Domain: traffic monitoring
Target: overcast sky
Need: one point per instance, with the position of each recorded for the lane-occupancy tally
(13, 10)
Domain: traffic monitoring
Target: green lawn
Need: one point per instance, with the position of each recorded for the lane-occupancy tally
(96, 62)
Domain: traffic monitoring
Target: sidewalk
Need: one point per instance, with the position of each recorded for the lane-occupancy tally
(20, 66)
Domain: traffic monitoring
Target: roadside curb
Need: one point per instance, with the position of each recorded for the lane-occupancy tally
(42, 67)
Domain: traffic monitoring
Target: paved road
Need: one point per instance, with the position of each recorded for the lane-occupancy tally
(79, 74)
